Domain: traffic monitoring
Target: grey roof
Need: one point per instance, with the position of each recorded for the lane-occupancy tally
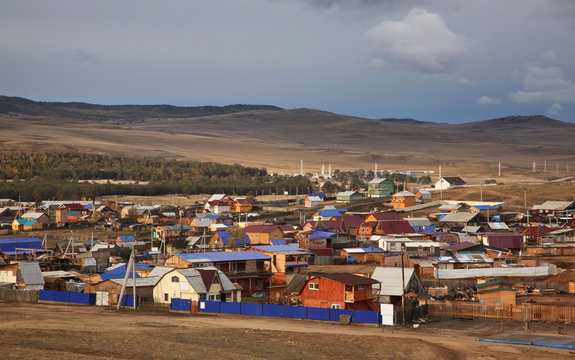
(140, 282)
(390, 279)
(32, 215)
(296, 283)
(31, 273)
(377, 181)
(404, 193)
(205, 222)
(227, 285)
(498, 226)
(194, 278)
(553, 205)
(459, 217)
(160, 271)
(421, 221)
(471, 229)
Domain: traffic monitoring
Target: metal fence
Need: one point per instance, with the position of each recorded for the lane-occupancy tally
(67, 297)
(524, 312)
(293, 312)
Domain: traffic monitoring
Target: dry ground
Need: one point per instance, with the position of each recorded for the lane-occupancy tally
(75, 332)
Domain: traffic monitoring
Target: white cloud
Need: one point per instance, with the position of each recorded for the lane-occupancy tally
(421, 41)
(486, 100)
(555, 109)
(549, 56)
(544, 85)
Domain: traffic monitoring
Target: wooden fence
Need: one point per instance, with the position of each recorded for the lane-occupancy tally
(30, 296)
(524, 312)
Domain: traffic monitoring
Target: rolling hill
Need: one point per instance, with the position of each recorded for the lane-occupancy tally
(267, 136)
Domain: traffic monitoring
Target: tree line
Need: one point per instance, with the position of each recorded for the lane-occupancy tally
(35, 176)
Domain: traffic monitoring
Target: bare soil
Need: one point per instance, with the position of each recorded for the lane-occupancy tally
(76, 332)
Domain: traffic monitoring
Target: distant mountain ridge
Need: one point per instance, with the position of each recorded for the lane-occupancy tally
(18, 105)
(267, 136)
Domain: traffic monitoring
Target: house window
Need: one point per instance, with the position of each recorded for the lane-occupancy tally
(175, 279)
(360, 287)
(202, 297)
(166, 297)
(313, 286)
(335, 306)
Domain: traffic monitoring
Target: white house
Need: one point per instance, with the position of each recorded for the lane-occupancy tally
(448, 182)
(196, 284)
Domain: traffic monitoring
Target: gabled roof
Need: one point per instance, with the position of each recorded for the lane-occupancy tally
(395, 226)
(459, 217)
(390, 279)
(387, 215)
(347, 193)
(31, 273)
(404, 193)
(350, 279)
(25, 222)
(454, 180)
(127, 238)
(460, 246)
(73, 206)
(33, 215)
(377, 181)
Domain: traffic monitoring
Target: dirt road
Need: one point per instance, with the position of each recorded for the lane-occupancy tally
(76, 332)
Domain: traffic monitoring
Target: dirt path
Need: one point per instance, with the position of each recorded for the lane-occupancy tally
(53, 331)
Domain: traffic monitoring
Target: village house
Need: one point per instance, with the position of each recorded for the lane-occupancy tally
(363, 255)
(495, 293)
(313, 201)
(338, 291)
(22, 276)
(263, 234)
(389, 284)
(403, 199)
(456, 221)
(250, 269)
(196, 285)
(286, 261)
(377, 188)
(448, 182)
(223, 239)
(38, 216)
(348, 196)
(554, 210)
(26, 225)
(241, 205)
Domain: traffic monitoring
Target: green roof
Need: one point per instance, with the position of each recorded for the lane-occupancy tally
(487, 283)
(496, 289)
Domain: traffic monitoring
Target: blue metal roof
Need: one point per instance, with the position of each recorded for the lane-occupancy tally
(9, 245)
(117, 274)
(321, 235)
(296, 265)
(26, 222)
(486, 207)
(226, 256)
(278, 248)
(278, 242)
(372, 249)
(127, 238)
(331, 212)
(212, 216)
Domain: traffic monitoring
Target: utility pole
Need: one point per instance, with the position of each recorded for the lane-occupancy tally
(500, 169)
(130, 265)
(402, 284)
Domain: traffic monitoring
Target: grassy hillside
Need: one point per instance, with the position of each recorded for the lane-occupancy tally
(17, 105)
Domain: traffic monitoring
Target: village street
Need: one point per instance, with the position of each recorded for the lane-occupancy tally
(79, 332)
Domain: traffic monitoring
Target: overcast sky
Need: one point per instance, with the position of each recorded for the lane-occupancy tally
(443, 61)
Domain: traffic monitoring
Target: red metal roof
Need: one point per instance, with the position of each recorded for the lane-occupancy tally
(261, 228)
(350, 279)
(388, 215)
(505, 240)
(394, 227)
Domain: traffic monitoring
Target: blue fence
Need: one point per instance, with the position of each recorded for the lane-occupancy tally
(68, 297)
(293, 312)
(181, 304)
(128, 300)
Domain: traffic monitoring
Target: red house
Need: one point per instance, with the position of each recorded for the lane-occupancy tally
(338, 291)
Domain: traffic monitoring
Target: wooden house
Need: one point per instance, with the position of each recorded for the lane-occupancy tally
(390, 283)
(363, 255)
(26, 225)
(250, 269)
(22, 276)
(495, 293)
(223, 239)
(377, 188)
(286, 261)
(38, 216)
(263, 234)
(403, 199)
(348, 196)
(338, 291)
(241, 205)
(313, 201)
